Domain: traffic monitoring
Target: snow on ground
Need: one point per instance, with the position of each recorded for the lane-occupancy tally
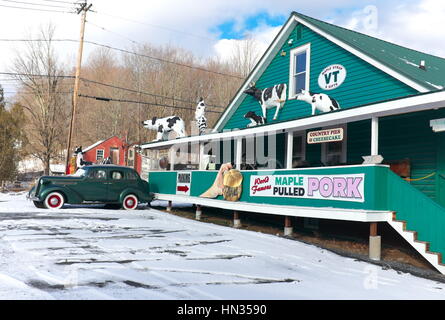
(82, 252)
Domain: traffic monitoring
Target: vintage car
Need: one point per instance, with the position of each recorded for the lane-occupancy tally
(115, 186)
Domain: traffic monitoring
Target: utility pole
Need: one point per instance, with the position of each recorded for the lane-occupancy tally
(84, 7)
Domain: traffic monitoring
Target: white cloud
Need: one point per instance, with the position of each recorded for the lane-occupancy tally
(418, 25)
(261, 36)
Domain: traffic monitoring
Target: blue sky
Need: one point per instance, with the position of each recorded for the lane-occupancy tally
(211, 28)
(231, 29)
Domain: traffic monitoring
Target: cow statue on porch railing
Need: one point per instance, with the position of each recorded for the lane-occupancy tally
(269, 97)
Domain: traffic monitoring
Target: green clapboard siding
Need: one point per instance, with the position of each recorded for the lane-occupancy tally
(407, 136)
(410, 136)
(364, 83)
(421, 214)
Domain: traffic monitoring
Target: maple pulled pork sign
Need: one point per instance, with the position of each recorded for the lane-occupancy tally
(325, 187)
(183, 181)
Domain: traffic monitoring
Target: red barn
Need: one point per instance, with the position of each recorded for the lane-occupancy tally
(119, 152)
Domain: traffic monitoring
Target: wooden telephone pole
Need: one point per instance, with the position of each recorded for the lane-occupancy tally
(84, 7)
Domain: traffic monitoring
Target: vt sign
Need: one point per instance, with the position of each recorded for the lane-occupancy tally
(332, 77)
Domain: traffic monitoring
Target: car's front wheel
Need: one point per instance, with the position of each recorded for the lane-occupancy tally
(54, 200)
(130, 202)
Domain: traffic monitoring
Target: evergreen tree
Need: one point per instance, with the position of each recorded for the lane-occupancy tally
(11, 139)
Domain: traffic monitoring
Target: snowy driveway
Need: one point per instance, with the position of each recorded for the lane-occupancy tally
(93, 253)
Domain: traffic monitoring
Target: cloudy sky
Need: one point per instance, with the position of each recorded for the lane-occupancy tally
(210, 27)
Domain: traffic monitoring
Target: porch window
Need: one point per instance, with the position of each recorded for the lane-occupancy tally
(99, 154)
(334, 153)
(299, 70)
(298, 150)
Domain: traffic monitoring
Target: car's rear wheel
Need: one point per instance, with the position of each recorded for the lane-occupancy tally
(54, 200)
(39, 204)
(130, 202)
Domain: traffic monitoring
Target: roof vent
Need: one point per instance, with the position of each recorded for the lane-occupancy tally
(422, 65)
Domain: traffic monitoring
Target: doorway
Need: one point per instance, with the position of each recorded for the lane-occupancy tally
(114, 155)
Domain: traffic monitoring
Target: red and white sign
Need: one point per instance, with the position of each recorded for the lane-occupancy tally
(183, 183)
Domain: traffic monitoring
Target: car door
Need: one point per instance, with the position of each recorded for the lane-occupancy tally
(116, 184)
(94, 186)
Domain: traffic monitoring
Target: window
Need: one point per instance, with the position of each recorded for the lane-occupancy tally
(132, 175)
(99, 154)
(334, 153)
(117, 175)
(299, 70)
(97, 174)
(298, 150)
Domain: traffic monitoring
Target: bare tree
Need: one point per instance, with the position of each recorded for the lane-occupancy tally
(43, 98)
(244, 56)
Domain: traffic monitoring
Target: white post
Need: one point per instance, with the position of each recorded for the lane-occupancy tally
(374, 136)
(172, 157)
(201, 156)
(290, 149)
(238, 155)
(198, 212)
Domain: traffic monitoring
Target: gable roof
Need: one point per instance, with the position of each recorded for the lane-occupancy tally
(94, 145)
(401, 59)
(400, 62)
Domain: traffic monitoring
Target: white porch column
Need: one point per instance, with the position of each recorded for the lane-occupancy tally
(172, 157)
(201, 156)
(238, 155)
(290, 149)
(374, 136)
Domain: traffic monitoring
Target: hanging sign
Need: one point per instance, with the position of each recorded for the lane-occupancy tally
(324, 187)
(183, 182)
(332, 77)
(322, 136)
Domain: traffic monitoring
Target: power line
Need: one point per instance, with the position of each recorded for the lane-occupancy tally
(14, 74)
(106, 99)
(34, 9)
(154, 58)
(126, 51)
(155, 26)
(57, 1)
(106, 85)
(144, 93)
(36, 4)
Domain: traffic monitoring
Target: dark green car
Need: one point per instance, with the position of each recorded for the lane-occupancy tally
(115, 186)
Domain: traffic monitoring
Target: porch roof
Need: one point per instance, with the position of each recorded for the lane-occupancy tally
(413, 103)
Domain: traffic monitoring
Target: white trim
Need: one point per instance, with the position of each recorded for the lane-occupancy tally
(294, 211)
(300, 169)
(273, 50)
(420, 247)
(364, 57)
(103, 154)
(433, 100)
(289, 149)
(374, 136)
(293, 53)
(238, 152)
(260, 67)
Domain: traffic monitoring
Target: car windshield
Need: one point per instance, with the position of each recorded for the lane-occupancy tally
(79, 173)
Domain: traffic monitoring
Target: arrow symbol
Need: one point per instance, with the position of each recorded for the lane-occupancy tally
(183, 188)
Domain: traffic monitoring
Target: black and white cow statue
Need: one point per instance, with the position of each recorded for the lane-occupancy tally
(164, 126)
(319, 101)
(255, 120)
(79, 158)
(201, 120)
(269, 97)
